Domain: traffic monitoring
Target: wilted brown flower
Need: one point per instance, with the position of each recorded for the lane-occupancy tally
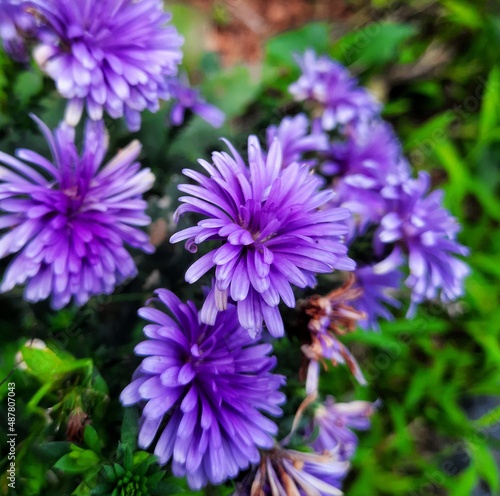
(332, 311)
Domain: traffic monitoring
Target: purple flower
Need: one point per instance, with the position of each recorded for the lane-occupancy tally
(427, 232)
(68, 219)
(286, 472)
(369, 153)
(16, 25)
(296, 139)
(329, 83)
(334, 421)
(111, 56)
(187, 98)
(369, 165)
(209, 385)
(377, 281)
(275, 229)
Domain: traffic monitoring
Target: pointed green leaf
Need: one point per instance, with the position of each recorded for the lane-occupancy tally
(490, 108)
(92, 439)
(130, 428)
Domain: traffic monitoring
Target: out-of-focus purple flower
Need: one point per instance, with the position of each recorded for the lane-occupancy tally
(276, 229)
(334, 421)
(286, 472)
(69, 219)
(297, 136)
(368, 166)
(210, 384)
(427, 232)
(330, 84)
(109, 56)
(16, 25)
(187, 98)
(370, 152)
(376, 282)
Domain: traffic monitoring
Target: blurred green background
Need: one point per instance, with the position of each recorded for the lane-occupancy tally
(436, 66)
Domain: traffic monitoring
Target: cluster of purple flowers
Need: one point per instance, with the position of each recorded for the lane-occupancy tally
(272, 222)
(328, 84)
(68, 218)
(392, 211)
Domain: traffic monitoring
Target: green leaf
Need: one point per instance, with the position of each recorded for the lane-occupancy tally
(128, 458)
(486, 465)
(119, 470)
(53, 451)
(279, 67)
(109, 472)
(422, 141)
(92, 439)
(130, 428)
(69, 464)
(28, 85)
(165, 487)
(489, 117)
(374, 45)
(489, 419)
(87, 459)
(100, 490)
(487, 200)
(34, 476)
(231, 90)
(401, 428)
(44, 363)
(464, 483)
(99, 384)
(464, 13)
(458, 174)
(155, 478)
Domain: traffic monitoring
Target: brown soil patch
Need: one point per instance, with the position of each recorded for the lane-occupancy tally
(238, 28)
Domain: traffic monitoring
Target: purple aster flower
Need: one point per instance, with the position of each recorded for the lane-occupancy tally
(68, 219)
(334, 421)
(377, 281)
(209, 385)
(369, 153)
(286, 472)
(109, 56)
(368, 165)
(187, 98)
(329, 83)
(427, 232)
(275, 228)
(297, 136)
(16, 26)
